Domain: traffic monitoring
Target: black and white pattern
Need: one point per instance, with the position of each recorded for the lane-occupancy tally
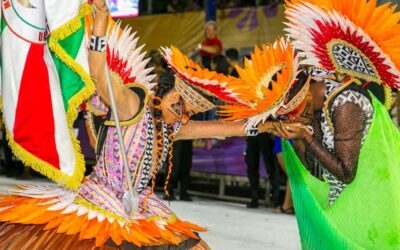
(148, 160)
(165, 144)
(252, 131)
(336, 186)
(347, 58)
(98, 43)
(318, 73)
(148, 153)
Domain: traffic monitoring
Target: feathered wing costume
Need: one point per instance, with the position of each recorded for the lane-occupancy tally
(52, 217)
(358, 38)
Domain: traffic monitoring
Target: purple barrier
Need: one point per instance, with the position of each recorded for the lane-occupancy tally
(221, 157)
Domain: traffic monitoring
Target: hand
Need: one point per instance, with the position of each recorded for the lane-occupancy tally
(100, 6)
(290, 130)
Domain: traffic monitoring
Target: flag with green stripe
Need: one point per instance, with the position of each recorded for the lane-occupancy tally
(44, 77)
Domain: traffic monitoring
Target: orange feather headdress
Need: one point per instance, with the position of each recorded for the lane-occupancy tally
(355, 37)
(268, 76)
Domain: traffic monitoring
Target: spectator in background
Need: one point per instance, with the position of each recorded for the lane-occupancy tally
(262, 143)
(220, 64)
(232, 56)
(211, 46)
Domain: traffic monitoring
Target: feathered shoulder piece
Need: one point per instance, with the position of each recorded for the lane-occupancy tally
(126, 62)
(208, 82)
(125, 58)
(269, 75)
(355, 37)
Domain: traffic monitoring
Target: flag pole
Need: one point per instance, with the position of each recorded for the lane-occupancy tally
(133, 195)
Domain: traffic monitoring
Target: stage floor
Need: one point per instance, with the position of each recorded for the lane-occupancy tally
(231, 225)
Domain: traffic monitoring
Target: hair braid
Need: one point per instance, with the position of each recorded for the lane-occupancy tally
(157, 113)
(170, 155)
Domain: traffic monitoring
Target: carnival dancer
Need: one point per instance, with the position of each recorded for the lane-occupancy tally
(103, 213)
(350, 135)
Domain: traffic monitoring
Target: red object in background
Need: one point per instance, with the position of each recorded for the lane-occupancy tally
(211, 42)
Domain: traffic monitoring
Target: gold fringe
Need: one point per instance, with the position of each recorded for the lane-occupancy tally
(73, 182)
(59, 34)
(172, 219)
(389, 100)
(81, 201)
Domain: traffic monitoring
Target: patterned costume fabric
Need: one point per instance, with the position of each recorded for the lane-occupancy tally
(107, 184)
(99, 203)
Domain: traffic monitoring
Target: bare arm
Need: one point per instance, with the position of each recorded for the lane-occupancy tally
(216, 129)
(126, 100)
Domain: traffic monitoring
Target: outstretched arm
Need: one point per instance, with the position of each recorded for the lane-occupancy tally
(212, 49)
(126, 100)
(217, 129)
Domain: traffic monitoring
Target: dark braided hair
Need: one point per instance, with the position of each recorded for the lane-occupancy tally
(170, 164)
(165, 85)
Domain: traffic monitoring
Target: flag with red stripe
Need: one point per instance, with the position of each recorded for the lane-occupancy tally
(44, 78)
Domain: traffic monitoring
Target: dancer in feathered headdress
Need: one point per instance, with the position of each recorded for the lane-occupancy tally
(357, 38)
(103, 213)
(354, 141)
(269, 78)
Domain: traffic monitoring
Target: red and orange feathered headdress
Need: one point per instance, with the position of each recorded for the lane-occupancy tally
(355, 37)
(125, 59)
(268, 75)
(194, 82)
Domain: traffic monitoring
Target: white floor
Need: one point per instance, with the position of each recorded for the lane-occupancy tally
(231, 226)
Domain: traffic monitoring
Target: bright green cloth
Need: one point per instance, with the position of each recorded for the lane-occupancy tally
(366, 215)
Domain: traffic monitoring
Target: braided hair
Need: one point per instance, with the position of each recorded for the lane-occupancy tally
(165, 85)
